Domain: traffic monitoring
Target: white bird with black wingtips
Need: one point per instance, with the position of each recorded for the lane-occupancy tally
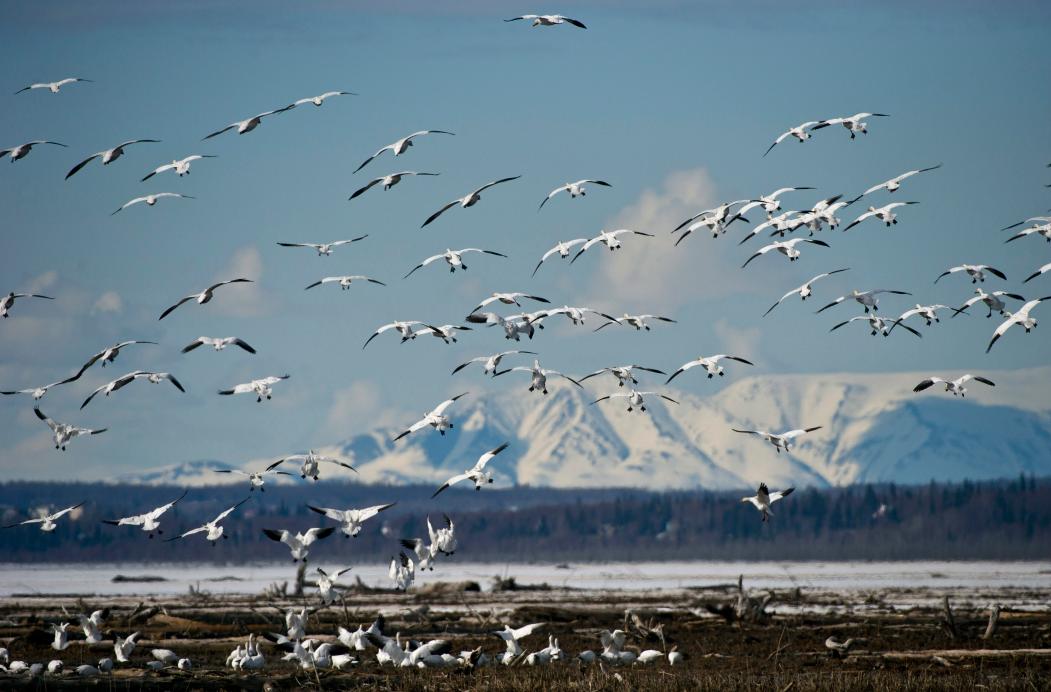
(635, 399)
(402, 571)
(779, 440)
(453, 258)
(320, 99)
(477, 474)
(345, 282)
(325, 249)
(150, 200)
(878, 324)
(539, 375)
(309, 463)
(770, 203)
(39, 392)
(445, 332)
(763, 498)
(804, 291)
(401, 146)
(509, 299)
(640, 322)
(894, 183)
(403, 327)
(180, 166)
(8, 301)
(884, 214)
(123, 380)
(218, 343)
(109, 354)
(786, 248)
(468, 200)
(212, 530)
(263, 387)
(562, 248)
(490, 364)
(247, 125)
(710, 365)
(299, 543)
(388, 181)
(955, 386)
(434, 418)
(22, 150)
(853, 123)
(928, 312)
(63, 433)
(326, 584)
(867, 299)
(993, 301)
(624, 374)
(204, 296)
(801, 132)
(53, 87)
(975, 271)
(608, 238)
(149, 521)
(575, 190)
(255, 478)
(1021, 317)
(46, 520)
(108, 156)
(1042, 270)
(547, 20)
(351, 520)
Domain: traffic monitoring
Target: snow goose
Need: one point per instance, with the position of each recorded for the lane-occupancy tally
(402, 571)
(576, 314)
(468, 200)
(635, 399)
(63, 433)
(351, 520)
(927, 312)
(8, 301)
(108, 156)
(435, 418)
(325, 249)
(53, 87)
(640, 322)
(344, 282)
(401, 146)
(825, 212)
(212, 530)
(509, 299)
(675, 657)
(402, 327)
(804, 291)
(445, 332)
(309, 463)
(894, 183)
(46, 520)
(476, 474)
(785, 222)
(867, 299)
(878, 324)
(884, 214)
(853, 123)
(490, 364)
(425, 553)
(993, 301)
(445, 537)
(109, 354)
(262, 387)
(623, 373)
(512, 638)
(763, 498)
(120, 382)
(388, 181)
(55, 666)
(22, 150)
(320, 99)
(1042, 270)
(710, 364)
(1043, 229)
(538, 375)
(717, 218)
(180, 166)
(975, 271)
(1021, 317)
(326, 584)
(255, 478)
(149, 521)
(801, 132)
(92, 626)
(955, 386)
(779, 440)
(218, 343)
(562, 248)
(249, 124)
(786, 248)
(649, 656)
(165, 656)
(575, 190)
(547, 20)
(105, 665)
(770, 203)
(204, 296)
(454, 258)
(39, 392)
(1032, 219)
(514, 325)
(150, 200)
(299, 543)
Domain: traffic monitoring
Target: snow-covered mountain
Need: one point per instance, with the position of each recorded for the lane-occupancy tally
(874, 429)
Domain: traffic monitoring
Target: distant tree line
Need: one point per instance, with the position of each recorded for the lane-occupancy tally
(986, 520)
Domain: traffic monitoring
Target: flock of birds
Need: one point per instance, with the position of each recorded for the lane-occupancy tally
(419, 554)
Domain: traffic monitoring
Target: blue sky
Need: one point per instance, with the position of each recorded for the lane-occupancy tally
(673, 103)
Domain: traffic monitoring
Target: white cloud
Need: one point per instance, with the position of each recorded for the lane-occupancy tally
(744, 342)
(109, 301)
(39, 284)
(243, 300)
(356, 408)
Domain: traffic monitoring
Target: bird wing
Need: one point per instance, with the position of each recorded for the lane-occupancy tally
(219, 132)
(335, 514)
(487, 457)
(226, 512)
(929, 382)
(495, 182)
(440, 408)
(452, 481)
(441, 211)
(316, 534)
(170, 309)
(361, 190)
(80, 165)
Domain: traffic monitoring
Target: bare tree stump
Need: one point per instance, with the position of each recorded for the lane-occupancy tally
(301, 573)
(994, 620)
(949, 620)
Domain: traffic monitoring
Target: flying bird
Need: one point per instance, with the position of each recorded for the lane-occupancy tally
(801, 132)
(635, 399)
(468, 200)
(786, 248)
(955, 386)
(150, 200)
(255, 478)
(320, 99)
(770, 203)
(180, 166)
(867, 299)
(22, 150)
(212, 530)
(435, 418)
(150, 521)
(204, 296)
(710, 364)
(108, 355)
(249, 124)
(562, 248)
(993, 301)
(538, 375)
(476, 474)
(261, 388)
(804, 291)
(53, 87)
(445, 332)
(454, 258)
(928, 312)
(351, 519)
(853, 123)
(46, 520)
(325, 248)
(217, 343)
(299, 543)
(884, 214)
(403, 572)
(640, 322)
(609, 239)
(548, 20)
(894, 183)
(388, 182)
(38, 392)
(8, 301)
(401, 146)
(878, 324)
(575, 190)
(490, 364)
(763, 498)
(107, 156)
(326, 584)
(975, 271)
(779, 440)
(344, 281)
(402, 327)
(1043, 229)
(63, 433)
(623, 373)
(1021, 317)
(509, 299)
(309, 464)
(123, 380)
